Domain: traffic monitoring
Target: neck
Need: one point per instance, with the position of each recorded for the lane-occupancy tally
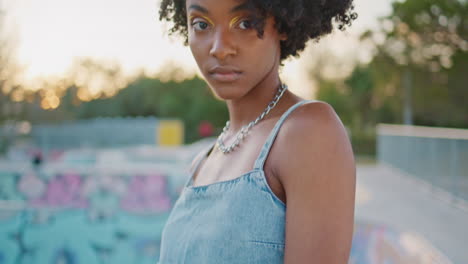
(246, 109)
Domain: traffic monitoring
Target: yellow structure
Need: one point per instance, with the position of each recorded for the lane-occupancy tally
(170, 133)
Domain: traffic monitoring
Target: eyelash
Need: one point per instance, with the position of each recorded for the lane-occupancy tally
(195, 23)
(246, 20)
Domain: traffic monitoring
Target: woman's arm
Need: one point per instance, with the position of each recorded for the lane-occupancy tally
(319, 176)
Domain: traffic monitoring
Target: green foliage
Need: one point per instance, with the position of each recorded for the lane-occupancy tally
(424, 41)
(189, 100)
(331, 93)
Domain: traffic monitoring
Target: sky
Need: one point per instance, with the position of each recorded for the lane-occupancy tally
(51, 33)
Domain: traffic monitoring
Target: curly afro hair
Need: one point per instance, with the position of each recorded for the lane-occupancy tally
(300, 20)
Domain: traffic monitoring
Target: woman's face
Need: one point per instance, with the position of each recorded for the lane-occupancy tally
(227, 49)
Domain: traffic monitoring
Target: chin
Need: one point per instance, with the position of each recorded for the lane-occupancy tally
(227, 92)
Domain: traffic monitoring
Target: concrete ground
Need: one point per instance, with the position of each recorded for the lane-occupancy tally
(387, 196)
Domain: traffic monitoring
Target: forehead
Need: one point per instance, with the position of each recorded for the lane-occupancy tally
(211, 6)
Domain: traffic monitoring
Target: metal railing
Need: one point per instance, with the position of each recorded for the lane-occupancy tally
(439, 156)
(101, 132)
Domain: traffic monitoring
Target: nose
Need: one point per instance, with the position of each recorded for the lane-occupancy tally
(223, 45)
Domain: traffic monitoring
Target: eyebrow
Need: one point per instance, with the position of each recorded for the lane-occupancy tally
(237, 8)
(199, 8)
(240, 7)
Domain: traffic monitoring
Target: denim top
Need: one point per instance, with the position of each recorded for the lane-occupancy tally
(234, 221)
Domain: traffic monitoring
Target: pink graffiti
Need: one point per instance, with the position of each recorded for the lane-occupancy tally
(147, 194)
(62, 191)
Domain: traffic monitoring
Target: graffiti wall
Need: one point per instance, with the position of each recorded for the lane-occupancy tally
(116, 213)
(74, 218)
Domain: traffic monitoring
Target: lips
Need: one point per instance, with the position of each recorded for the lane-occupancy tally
(225, 73)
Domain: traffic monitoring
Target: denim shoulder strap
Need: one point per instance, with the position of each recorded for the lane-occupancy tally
(271, 138)
(203, 154)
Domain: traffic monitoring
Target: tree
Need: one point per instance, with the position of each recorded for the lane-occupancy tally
(421, 45)
(10, 108)
(426, 43)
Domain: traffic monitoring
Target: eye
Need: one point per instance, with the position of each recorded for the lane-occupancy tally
(245, 24)
(200, 25)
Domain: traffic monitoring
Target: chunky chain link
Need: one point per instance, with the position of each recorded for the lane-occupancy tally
(245, 129)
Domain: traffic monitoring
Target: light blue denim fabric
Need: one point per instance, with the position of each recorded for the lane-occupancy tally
(234, 221)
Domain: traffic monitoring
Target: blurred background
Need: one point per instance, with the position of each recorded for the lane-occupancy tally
(101, 114)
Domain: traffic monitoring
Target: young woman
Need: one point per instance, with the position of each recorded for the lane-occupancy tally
(278, 185)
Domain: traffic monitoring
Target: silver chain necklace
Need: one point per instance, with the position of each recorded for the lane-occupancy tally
(245, 129)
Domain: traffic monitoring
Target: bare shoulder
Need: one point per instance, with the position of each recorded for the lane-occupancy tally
(311, 135)
(317, 171)
(315, 113)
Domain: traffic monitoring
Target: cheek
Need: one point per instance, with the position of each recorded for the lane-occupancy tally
(264, 51)
(197, 48)
(191, 42)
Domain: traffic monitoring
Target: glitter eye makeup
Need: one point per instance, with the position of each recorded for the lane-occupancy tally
(204, 17)
(231, 23)
(234, 21)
